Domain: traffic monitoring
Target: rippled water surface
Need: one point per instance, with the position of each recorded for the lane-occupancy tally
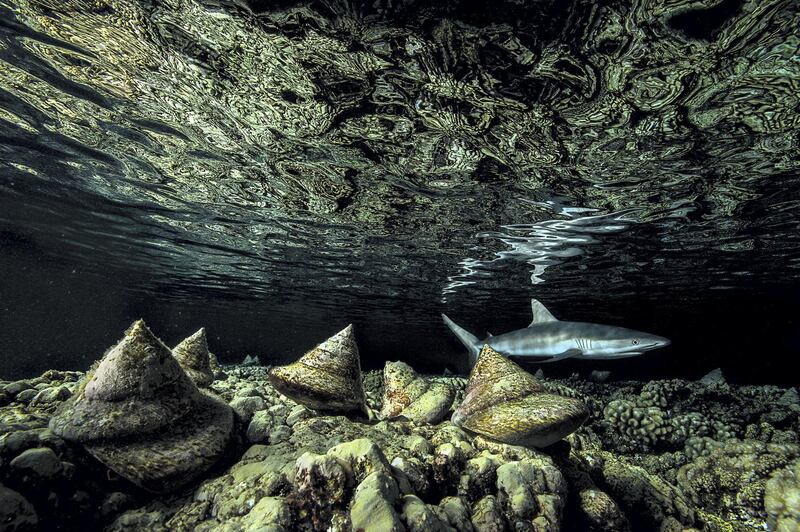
(385, 161)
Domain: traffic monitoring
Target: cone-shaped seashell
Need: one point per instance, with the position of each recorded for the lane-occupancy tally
(141, 415)
(505, 403)
(327, 378)
(193, 356)
(408, 395)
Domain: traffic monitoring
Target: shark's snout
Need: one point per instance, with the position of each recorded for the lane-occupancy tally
(656, 342)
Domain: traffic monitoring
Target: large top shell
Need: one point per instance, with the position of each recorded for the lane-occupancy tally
(138, 387)
(193, 356)
(327, 378)
(507, 404)
(494, 379)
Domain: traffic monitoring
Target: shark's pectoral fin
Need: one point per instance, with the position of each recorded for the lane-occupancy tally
(540, 313)
(569, 353)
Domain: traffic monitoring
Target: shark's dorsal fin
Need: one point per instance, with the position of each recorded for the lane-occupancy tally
(490, 334)
(540, 313)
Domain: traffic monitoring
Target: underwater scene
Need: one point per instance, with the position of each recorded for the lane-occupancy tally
(399, 265)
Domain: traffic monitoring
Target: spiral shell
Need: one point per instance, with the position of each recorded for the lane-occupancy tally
(507, 404)
(141, 415)
(414, 397)
(193, 356)
(327, 378)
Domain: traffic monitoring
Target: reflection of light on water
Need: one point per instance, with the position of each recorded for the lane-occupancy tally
(541, 244)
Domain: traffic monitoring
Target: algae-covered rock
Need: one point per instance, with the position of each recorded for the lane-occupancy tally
(419, 517)
(363, 457)
(457, 513)
(322, 484)
(372, 509)
(40, 463)
(269, 512)
(599, 512)
(647, 500)
(16, 513)
(487, 515)
(532, 492)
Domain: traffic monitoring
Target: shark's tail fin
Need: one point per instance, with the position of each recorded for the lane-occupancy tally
(469, 340)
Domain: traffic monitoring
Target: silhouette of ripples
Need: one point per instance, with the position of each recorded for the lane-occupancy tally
(330, 152)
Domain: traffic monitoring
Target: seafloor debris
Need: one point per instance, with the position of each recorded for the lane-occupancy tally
(141, 415)
(728, 461)
(193, 356)
(508, 404)
(327, 378)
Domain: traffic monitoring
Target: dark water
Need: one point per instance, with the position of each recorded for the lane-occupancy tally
(274, 171)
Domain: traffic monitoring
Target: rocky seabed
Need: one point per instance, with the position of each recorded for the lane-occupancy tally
(152, 438)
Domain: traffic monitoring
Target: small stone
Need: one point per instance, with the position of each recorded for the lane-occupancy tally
(15, 442)
(419, 517)
(51, 395)
(26, 396)
(245, 407)
(251, 360)
(114, 503)
(599, 512)
(363, 456)
(324, 478)
(418, 445)
(42, 463)
(280, 434)
(12, 389)
(487, 515)
(457, 513)
(248, 391)
(16, 513)
(372, 509)
(268, 511)
(297, 414)
(259, 428)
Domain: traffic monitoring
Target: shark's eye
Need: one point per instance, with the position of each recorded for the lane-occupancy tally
(635, 342)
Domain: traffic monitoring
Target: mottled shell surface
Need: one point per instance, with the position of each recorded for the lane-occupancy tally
(535, 421)
(193, 356)
(327, 378)
(494, 379)
(411, 396)
(169, 459)
(507, 404)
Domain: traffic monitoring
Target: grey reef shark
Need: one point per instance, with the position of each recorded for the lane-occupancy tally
(547, 339)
